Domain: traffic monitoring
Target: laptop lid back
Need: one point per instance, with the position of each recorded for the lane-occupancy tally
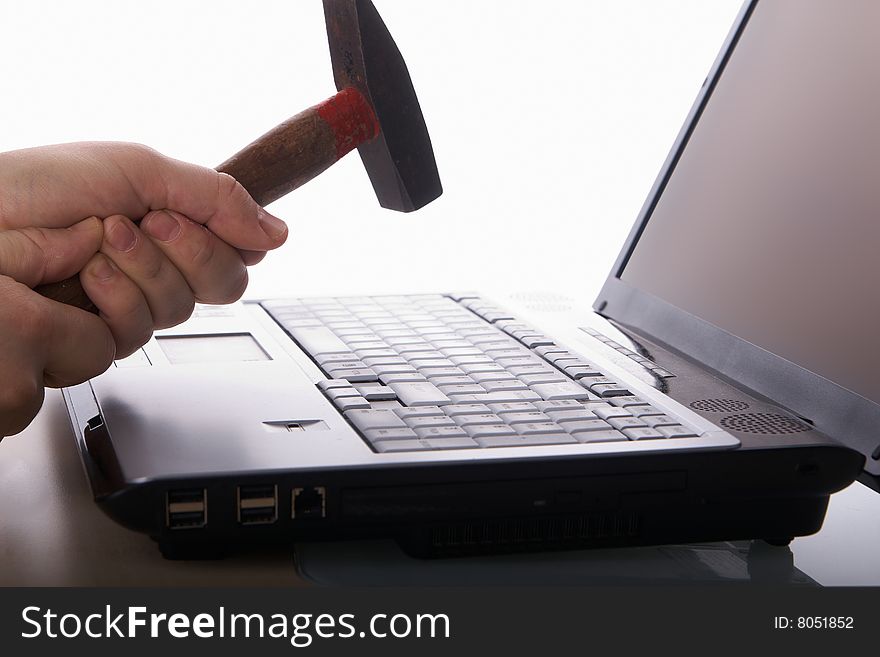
(756, 252)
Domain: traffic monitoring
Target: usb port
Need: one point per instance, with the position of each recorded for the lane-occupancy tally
(309, 502)
(257, 505)
(186, 509)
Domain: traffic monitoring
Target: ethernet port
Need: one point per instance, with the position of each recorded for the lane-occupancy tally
(186, 508)
(258, 504)
(309, 502)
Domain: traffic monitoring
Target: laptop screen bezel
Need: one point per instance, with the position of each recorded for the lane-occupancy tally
(838, 412)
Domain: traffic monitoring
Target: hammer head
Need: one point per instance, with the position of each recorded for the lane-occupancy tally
(400, 161)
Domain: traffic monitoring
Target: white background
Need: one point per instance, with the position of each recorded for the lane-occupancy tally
(549, 120)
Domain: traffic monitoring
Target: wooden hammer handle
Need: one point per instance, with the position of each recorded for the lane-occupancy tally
(283, 159)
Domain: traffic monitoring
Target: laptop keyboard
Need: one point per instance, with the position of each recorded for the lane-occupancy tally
(434, 372)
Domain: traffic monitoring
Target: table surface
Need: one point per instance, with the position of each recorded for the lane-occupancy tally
(52, 534)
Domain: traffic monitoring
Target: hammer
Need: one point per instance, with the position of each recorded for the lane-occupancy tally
(375, 111)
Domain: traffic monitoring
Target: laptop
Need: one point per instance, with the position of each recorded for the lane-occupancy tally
(721, 387)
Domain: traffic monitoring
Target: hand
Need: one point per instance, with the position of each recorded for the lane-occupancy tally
(199, 230)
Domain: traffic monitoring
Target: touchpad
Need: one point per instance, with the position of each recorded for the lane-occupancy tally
(213, 348)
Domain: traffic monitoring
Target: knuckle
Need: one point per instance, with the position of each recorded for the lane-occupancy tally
(228, 188)
(203, 246)
(238, 287)
(178, 312)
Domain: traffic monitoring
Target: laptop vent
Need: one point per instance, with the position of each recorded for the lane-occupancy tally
(522, 533)
(764, 423)
(719, 405)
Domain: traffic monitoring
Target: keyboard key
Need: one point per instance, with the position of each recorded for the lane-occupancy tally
(593, 405)
(343, 365)
(556, 391)
(571, 416)
(646, 433)
(441, 432)
(441, 381)
(560, 405)
(376, 393)
(487, 430)
(431, 372)
(472, 420)
(525, 359)
(579, 372)
(661, 373)
(317, 340)
(609, 390)
(350, 403)
(453, 410)
(523, 417)
(373, 419)
(400, 433)
(512, 384)
(626, 422)
(607, 412)
(373, 361)
(429, 421)
(552, 349)
(402, 378)
(546, 377)
(394, 369)
(480, 368)
(329, 384)
(497, 397)
(354, 375)
(524, 441)
(521, 370)
(429, 363)
(513, 407)
(485, 377)
(325, 359)
(590, 381)
(419, 394)
(533, 341)
(384, 352)
(392, 446)
(471, 360)
(580, 426)
(659, 420)
(677, 431)
(532, 428)
(350, 391)
(461, 351)
(419, 411)
(626, 400)
(599, 436)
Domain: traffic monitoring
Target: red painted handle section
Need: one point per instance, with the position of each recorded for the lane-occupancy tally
(351, 119)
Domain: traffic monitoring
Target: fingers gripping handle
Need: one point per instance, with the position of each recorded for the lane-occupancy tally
(283, 159)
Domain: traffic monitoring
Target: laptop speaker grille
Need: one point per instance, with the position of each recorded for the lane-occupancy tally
(763, 423)
(719, 405)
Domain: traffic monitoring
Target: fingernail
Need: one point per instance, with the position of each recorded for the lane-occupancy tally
(121, 236)
(161, 225)
(101, 268)
(272, 226)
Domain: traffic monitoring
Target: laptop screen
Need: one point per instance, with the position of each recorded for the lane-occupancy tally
(769, 224)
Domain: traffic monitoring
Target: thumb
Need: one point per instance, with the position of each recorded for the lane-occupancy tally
(34, 256)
